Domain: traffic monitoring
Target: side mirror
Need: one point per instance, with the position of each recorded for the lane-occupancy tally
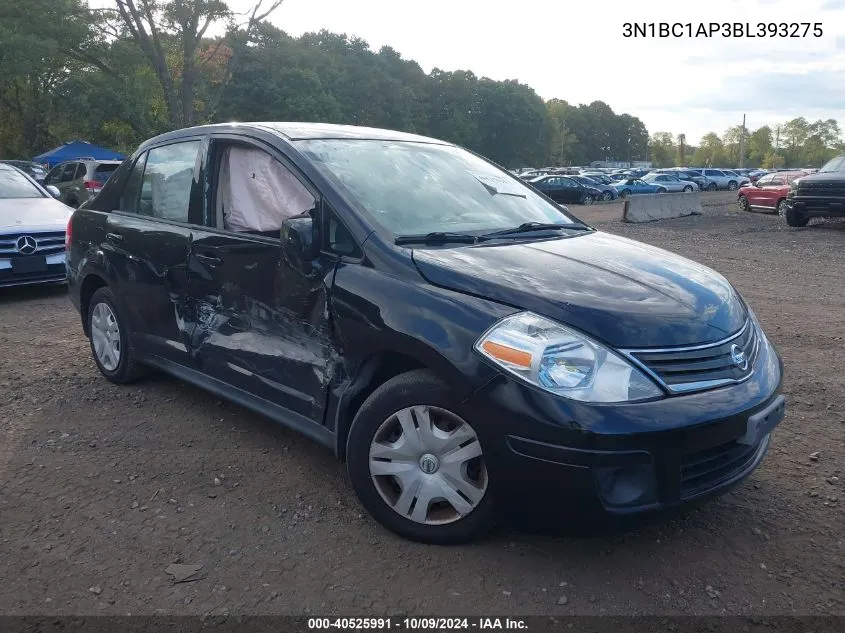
(298, 243)
(53, 191)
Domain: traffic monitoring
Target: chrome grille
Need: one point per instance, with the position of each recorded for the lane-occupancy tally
(47, 243)
(685, 369)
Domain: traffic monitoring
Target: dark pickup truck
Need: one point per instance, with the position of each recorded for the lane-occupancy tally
(819, 195)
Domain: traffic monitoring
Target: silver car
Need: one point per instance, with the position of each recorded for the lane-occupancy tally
(32, 230)
(671, 183)
(722, 178)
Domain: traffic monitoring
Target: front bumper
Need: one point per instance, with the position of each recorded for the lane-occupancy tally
(56, 271)
(817, 206)
(558, 459)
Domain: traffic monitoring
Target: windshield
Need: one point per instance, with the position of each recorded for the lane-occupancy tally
(418, 188)
(837, 164)
(14, 184)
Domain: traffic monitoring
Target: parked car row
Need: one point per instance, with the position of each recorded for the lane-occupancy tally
(798, 195)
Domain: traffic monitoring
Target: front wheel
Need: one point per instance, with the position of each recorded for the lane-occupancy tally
(661, 190)
(732, 186)
(793, 217)
(417, 465)
(687, 189)
(607, 196)
(712, 186)
(588, 200)
(624, 193)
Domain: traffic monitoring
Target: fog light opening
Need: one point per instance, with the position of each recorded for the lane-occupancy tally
(627, 486)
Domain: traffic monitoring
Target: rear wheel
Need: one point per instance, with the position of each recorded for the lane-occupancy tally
(109, 337)
(743, 203)
(732, 186)
(687, 189)
(624, 193)
(588, 200)
(781, 208)
(712, 186)
(607, 196)
(418, 466)
(661, 190)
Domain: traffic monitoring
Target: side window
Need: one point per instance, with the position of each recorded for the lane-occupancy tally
(68, 171)
(255, 192)
(54, 175)
(167, 181)
(80, 171)
(776, 180)
(129, 199)
(765, 180)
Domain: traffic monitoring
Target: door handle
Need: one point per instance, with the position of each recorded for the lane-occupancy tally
(114, 237)
(211, 260)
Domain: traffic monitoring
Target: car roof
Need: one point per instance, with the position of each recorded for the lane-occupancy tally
(296, 131)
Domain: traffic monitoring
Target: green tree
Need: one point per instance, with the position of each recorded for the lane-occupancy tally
(661, 149)
(760, 144)
(710, 151)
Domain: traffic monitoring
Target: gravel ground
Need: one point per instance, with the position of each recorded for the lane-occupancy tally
(103, 487)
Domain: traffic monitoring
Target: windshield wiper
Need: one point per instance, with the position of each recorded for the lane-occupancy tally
(527, 227)
(437, 237)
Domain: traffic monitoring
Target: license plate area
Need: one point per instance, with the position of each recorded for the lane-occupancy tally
(764, 421)
(29, 264)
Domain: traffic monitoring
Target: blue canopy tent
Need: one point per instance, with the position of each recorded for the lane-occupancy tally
(75, 150)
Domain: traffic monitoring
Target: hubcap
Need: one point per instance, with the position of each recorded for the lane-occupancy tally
(426, 464)
(105, 336)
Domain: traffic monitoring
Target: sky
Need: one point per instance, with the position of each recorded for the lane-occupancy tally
(576, 50)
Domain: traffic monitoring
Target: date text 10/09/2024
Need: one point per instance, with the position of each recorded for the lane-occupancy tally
(723, 29)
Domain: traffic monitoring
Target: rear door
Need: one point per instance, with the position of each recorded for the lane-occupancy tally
(146, 246)
(262, 324)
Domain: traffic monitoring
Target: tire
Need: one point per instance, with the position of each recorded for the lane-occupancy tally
(103, 312)
(687, 189)
(712, 186)
(794, 218)
(743, 203)
(624, 193)
(607, 196)
(378, 434)
(661, 190)
(732, 185)
(588, 200)
(780, 209)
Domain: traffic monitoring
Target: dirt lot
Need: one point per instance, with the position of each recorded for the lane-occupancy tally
(102, 487)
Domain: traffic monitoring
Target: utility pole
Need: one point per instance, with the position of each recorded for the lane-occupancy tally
(742, 144)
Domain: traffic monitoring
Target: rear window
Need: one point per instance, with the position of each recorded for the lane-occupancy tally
(102, 173)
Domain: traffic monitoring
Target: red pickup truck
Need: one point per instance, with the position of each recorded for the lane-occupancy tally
(768, 193)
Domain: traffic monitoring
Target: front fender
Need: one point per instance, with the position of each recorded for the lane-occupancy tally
(374, 312)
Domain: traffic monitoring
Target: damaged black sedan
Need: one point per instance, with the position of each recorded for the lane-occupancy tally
(463, 342)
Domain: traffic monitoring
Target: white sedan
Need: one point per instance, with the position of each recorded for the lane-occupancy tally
(32, 231)
(671, 183)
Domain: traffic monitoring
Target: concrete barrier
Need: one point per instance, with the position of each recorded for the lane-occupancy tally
(660, 206)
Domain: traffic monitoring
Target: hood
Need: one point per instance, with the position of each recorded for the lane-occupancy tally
(622, 292)
(32, 213)
(832, 180)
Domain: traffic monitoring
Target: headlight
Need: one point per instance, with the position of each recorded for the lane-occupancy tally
(563, 361)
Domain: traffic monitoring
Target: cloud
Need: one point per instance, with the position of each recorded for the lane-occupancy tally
(821, 89)
(833, 5)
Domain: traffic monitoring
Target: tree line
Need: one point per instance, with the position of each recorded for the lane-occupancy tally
(796, 143)
(135, 68)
